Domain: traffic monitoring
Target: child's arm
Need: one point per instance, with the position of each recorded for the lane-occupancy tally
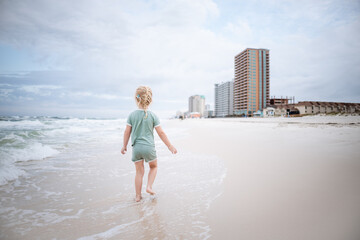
(126, 138)
(164, 138)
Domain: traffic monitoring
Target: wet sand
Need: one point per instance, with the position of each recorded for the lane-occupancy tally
(286, 178)
(87, 192)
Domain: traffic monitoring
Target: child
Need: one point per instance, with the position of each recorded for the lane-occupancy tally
(141, 124)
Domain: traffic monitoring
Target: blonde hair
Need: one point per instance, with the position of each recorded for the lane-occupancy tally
(143, 98)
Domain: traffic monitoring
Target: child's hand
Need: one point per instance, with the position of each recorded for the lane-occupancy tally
(172, 149)
(123, 150)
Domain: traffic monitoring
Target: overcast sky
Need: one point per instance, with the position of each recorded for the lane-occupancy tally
(86, 58)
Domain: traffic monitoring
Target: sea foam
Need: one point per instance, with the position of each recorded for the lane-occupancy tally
(36, 138)
(34, 151)
(9, 171)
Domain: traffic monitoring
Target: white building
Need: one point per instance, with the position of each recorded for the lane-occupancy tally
(197, 104)
(208, 112)
(316, 107)
(269, 112)
(224, 99)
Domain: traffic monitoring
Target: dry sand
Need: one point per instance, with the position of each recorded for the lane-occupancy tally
(286, 178)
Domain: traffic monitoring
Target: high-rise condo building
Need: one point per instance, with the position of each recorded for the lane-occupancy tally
(197, 104)
(251, 83)
(224, 99)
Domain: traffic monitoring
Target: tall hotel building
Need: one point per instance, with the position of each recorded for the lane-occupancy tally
(224, 99)
(197, 104)
(251, 83)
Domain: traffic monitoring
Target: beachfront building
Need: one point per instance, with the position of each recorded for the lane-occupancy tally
(315, 107)
(194, 115)
(284, 110)
(180, 115)
(207, 107)
(208, 113)
(311, 108)
(197, 104)
(224, 99)
(268, 112)
(281, 100)
(251, 83)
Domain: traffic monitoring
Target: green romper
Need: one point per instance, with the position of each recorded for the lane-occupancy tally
(142, 135)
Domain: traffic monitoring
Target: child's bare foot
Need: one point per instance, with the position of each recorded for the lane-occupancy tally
(138, 198)
(149, 190)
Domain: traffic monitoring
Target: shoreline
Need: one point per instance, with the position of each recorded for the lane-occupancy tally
(87, 190)
(232, 178)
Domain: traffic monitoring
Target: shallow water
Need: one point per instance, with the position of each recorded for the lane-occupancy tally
(77, 185)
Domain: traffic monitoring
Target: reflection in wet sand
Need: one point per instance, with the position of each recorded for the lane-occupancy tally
(87, 192)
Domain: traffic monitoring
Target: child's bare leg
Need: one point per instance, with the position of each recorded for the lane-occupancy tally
(152, 175)
(138, 179)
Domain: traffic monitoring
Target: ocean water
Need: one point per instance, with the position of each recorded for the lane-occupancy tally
(65, 178)
(25, 139)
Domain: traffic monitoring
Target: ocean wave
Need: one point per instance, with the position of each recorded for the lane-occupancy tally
(68, 130)
(21, 124)
(19, 139)
(24, 138)
(33, 151)
(9, 173)
(10, 156)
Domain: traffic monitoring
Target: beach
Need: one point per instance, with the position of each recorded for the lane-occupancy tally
(233, 178)
(287, 178)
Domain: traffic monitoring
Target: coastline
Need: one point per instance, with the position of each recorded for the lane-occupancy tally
(86, 190)
(254, 178)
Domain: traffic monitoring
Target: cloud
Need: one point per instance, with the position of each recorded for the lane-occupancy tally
(314, 47)
(42, 90)
(99, 51)
(4, 93)
(100, 96)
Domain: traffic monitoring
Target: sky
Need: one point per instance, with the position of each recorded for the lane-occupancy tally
(86, 58)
